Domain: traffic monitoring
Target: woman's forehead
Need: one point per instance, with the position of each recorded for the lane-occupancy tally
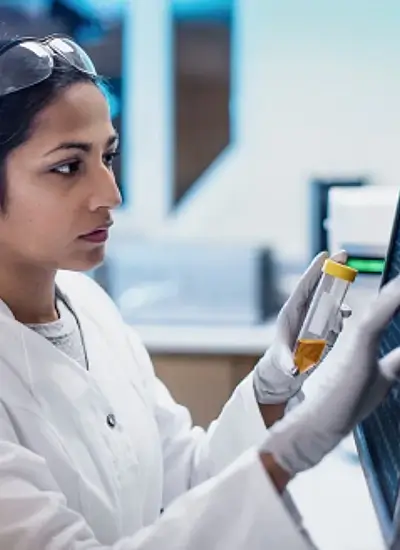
(80, 112)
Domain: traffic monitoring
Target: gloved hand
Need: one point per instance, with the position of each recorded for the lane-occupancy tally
(274, 381)
(347, 393)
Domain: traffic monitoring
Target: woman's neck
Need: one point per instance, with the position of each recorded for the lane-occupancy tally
(29, 293)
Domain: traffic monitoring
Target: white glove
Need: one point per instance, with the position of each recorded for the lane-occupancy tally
(348, 392)
(274, 379)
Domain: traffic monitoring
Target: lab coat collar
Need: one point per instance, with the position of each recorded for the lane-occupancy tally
(38, 362)
(34, 359)
(5, 310)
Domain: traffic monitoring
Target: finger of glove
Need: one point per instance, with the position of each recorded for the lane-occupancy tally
(346, 311)
(390, 365)
(340, 257)
(284, 358)
(381, 311)
(308, 281)
(293, 312)
(389, 368)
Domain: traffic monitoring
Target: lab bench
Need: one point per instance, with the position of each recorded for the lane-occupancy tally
(202, 365)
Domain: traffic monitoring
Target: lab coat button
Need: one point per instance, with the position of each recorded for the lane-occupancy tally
(111, 420)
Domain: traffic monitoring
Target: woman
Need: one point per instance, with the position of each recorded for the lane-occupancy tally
(92, 446)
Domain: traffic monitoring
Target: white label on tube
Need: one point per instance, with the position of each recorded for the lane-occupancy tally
(322, 314)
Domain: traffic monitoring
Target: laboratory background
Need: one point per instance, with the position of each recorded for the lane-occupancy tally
(253, 135)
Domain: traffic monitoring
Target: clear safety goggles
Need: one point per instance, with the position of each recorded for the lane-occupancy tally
(28, 61)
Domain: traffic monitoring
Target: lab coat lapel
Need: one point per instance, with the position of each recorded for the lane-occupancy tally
(113, 365)
(78, 403)
(36, 360)
(105, 339)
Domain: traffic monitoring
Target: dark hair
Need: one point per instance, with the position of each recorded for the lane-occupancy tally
(18, 110)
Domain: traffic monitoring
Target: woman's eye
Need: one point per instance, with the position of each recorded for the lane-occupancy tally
(109, 158)
(71, 168)
(67, 169)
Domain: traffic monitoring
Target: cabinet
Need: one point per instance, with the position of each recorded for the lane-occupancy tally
(203, 383)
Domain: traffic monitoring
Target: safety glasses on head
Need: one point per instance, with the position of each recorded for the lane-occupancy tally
(27, 61)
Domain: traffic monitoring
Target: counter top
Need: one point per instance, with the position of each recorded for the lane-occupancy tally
(213, 340)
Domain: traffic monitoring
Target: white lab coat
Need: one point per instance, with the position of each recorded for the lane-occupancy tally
(71, 481)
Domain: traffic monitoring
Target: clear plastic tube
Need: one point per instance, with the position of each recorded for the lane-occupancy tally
(325, 305)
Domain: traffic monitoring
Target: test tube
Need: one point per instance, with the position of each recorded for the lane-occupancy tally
(325, 305)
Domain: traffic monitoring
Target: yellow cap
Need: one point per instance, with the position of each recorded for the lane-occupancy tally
(339, 270)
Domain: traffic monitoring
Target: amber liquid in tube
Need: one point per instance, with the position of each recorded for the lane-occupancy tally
(308, 353)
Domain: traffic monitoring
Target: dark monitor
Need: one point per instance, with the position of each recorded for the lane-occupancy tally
(378, 437)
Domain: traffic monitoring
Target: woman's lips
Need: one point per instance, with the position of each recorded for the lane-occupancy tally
(97, 236)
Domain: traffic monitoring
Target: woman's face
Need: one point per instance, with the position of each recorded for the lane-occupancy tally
(60, 185)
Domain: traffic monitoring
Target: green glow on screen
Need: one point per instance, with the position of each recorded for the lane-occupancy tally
(365, 265)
